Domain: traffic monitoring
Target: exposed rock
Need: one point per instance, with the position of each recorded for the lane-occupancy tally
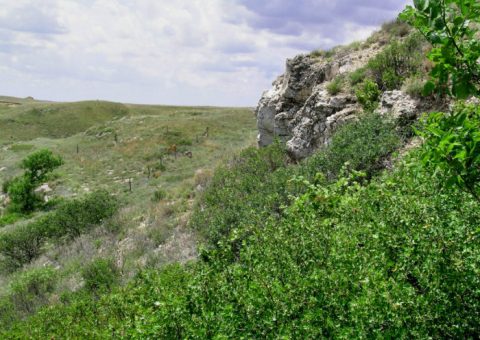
(399, 104)
(298, 109)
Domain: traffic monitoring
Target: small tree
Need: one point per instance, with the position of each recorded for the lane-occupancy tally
(452, 140)
(21, 190)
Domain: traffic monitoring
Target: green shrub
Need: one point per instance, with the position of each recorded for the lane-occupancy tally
(24, 243)
(368, 95)
(37, 167)
(159, 195)
(357, 76)
(452, 144)
(101, 274)
(363, 144)
(74, 217)
(30, 289)
(9, 218)
(396, 62)
(237, 194)
(335, 86)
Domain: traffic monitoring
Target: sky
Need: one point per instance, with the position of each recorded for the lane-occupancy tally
(182, 52)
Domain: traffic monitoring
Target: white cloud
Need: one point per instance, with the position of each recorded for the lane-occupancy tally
(152, 51)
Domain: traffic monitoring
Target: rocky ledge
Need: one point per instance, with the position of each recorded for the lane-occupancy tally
(299, 111)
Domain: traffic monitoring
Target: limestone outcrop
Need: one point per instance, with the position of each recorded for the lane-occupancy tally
(299, 111)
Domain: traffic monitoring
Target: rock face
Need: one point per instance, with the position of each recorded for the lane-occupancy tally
(399, 104)
(299, 111)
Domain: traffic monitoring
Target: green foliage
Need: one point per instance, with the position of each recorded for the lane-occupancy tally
(22, 195)
(74, 217)
(451, 26)
(37, 167)
(396, 62)
(9, 218)
(335, 86)
(159, 195)
(99, 275)
(24, 243)
(253, 182)
(357, 76)
(31, 289)
(394, 258)
(363, 144)
(452, 139)
(39, 164)
(368, 95)
(452, 144)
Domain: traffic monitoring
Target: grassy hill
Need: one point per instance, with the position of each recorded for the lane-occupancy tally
(116, 147)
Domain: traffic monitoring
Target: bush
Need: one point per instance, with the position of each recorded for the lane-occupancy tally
(24, 243)
(363, 144)
(9, 218)
(30, 289)
(159, 195)
(368, 95)
(335, 86)
(357, 76)
(101, 274)
(21, 189)
(396, 62)
(237, 193)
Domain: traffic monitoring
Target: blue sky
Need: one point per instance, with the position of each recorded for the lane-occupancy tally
(186, 52)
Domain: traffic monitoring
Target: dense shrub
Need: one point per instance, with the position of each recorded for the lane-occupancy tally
(396, 62)
(394, 258)
(37, 167)
(101, 274)
(368, 95)
(23, 243)
(30, 289)
(252, 183)
(363, 144)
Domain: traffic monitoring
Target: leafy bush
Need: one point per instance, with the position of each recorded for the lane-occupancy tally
(452, 28)
(37, 168)
(253, 182)
(452, 143)
(363, 144)
(368, 95)
(24, 243)
(335, 86)
(394, 258)
(396, 62)
(101, 274)
(31, 288)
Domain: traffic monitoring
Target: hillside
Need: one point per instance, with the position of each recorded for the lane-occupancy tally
(113, 146)
(357, 217)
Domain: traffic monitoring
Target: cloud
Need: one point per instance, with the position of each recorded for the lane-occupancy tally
(215, 52)
(38, 18)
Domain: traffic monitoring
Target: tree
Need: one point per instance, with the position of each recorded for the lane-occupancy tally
(452, 140)
(21, 189)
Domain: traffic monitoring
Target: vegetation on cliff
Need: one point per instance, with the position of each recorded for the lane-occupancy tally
(333, 246)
